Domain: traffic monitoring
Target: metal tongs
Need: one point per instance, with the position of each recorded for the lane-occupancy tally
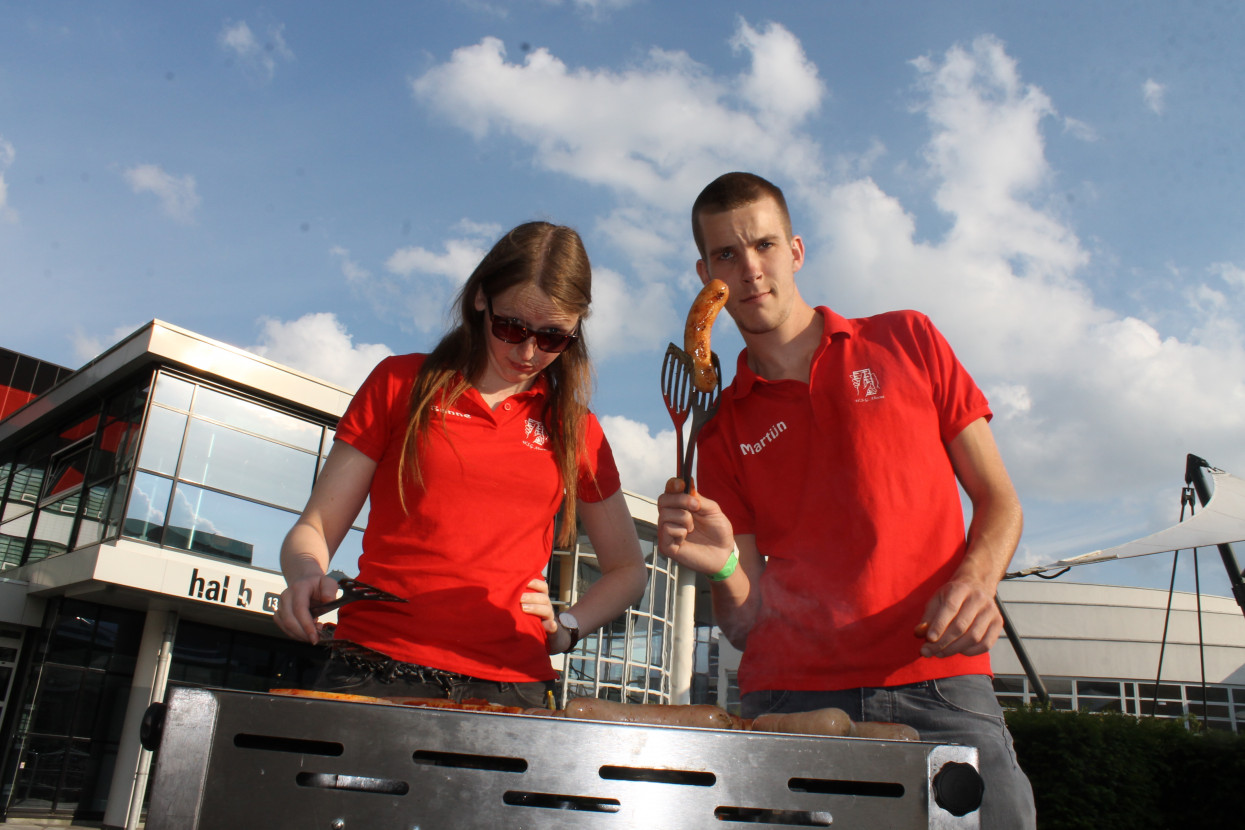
(682, 397)
(352, 591)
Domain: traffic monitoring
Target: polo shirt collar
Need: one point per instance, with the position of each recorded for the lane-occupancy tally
(539, 389)
(832, 324)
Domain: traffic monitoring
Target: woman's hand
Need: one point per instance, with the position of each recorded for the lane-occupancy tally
(537, 603)
(293, 614)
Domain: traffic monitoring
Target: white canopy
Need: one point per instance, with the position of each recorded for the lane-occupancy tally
(1220, 521)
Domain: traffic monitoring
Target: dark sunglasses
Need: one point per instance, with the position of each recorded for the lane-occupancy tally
(510, 330)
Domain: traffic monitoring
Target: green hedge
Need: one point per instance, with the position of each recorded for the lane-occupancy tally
(1109, 771)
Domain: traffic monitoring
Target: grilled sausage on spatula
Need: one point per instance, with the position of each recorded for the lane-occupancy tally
(704, 311)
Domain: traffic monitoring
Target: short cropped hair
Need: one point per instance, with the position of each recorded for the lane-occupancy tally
(733, 190)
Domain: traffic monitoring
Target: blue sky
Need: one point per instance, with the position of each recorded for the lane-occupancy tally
(1057, 185)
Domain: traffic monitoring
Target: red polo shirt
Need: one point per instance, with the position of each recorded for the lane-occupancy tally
(472, 540)
(846, 483)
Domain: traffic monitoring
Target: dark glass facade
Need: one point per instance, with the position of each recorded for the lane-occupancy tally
(171, 461)
(64, 754)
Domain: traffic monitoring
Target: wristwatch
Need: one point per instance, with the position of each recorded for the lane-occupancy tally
(567, 620)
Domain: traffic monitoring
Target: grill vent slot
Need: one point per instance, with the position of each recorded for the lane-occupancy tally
(555, 801)
(352, 783)
(298, 746)
(493, 763)
(830, 786)
(785, 818)
(654, 775)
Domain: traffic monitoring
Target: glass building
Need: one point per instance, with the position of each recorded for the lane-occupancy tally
(143, 501)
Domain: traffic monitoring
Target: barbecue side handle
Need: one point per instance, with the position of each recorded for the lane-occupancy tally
(182, 760)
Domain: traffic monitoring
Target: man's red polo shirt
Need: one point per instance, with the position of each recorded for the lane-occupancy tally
(848, 488)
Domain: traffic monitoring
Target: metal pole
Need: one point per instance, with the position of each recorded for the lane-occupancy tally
(1195, 474)
(1035, 679)
(158, 687)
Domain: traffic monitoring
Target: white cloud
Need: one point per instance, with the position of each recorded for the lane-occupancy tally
(260, 59)
(778, 63)
(319, 345)
(454, 264)
(624, 320)
(1229, 272)
(178, 197)
(86, 348)
(1155, 95)
(7, 154)
(655, 132)
(1080, 129)
(645, 461)
(351, 270)
(416, 285)
(428, 280)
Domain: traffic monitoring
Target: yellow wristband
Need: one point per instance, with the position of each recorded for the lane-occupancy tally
(729, 568)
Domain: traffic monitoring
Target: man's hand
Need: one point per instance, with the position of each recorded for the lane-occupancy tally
(692, 530)
(961, 618)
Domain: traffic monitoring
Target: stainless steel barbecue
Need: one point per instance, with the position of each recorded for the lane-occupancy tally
(231, 760)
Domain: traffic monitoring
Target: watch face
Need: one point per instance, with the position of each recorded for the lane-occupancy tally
(568, 619)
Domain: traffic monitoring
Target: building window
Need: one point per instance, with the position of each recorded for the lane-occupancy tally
(64, 489)
(1223, 709)
(225, 476)
(206, 655)
(628, 658)
(68, 740)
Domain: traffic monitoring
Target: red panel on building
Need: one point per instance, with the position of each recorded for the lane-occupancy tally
(24, 378)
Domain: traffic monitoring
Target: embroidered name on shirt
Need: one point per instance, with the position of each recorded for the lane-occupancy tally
(455, 412)
(866, 385)
(773, 432)
(534, 435)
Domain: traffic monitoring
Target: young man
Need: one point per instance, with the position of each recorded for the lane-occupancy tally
(828, 516)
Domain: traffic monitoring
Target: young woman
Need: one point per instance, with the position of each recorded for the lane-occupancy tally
(467, 454)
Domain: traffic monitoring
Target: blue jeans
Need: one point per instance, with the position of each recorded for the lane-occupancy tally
(959, 710)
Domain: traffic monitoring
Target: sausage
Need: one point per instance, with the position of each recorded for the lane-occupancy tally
(701, 715)
(832, 722)
(704, 311)
(886, 731)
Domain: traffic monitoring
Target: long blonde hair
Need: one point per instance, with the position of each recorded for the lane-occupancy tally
(552, 258)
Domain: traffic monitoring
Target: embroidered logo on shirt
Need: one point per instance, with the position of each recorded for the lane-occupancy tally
(534, 435)
(438, 409)
(866, 384)
(773, 432)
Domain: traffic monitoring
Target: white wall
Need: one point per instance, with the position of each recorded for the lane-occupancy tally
(1075, 630)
